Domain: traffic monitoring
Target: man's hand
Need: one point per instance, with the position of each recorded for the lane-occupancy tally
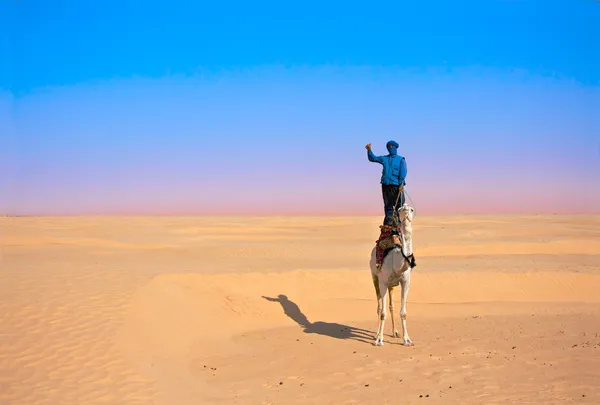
(401, 188)
(368, 147)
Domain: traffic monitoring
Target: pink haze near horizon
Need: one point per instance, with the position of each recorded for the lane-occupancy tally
(277, 141)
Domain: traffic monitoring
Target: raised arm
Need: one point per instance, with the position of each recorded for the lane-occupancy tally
(371, 156)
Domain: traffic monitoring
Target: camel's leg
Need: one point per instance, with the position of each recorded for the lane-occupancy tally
(376, 285)
(405, 282)
(384, 296)
(395, 332)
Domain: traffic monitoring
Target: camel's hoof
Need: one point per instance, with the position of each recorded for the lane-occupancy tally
(408, 342)
(396, 334)
(378, 340)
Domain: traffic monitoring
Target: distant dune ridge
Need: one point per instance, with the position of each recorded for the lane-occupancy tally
(281, 310)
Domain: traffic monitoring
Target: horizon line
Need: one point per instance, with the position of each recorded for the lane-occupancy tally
(256, 215)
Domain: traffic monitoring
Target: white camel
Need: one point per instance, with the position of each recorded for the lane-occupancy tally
(395, 270)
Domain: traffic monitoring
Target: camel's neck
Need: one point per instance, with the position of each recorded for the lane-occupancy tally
(406, 229)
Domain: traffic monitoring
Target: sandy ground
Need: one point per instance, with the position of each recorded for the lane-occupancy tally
(173, 310)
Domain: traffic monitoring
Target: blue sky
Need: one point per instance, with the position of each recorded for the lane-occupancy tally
(161, 107)
(62, 43)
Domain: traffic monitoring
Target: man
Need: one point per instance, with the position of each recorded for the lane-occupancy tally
(392, 178)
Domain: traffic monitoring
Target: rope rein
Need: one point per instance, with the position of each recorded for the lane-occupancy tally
(413, 204)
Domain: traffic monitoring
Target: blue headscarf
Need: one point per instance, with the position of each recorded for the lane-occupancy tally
(392, 147)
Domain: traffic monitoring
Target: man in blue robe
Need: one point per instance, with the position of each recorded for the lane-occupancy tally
(393, 178)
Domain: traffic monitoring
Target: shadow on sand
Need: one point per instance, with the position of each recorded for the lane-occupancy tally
(334, 330)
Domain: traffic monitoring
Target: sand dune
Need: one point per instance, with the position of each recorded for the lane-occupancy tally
(173, 310)
(168, 328)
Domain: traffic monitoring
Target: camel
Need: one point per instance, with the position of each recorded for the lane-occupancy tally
(395, 270)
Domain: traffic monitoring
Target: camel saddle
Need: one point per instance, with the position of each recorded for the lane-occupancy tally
(386, 244)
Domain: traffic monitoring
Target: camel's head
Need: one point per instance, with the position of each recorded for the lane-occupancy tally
(406, 213)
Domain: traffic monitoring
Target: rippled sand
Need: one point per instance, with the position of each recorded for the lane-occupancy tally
(173, 310)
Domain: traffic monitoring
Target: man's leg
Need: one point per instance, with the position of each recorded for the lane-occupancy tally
(401, 200)
(389, 199)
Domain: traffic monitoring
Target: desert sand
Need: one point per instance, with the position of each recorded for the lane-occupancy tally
(281, 310)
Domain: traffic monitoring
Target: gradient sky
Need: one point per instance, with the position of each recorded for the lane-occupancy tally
(265, 107)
